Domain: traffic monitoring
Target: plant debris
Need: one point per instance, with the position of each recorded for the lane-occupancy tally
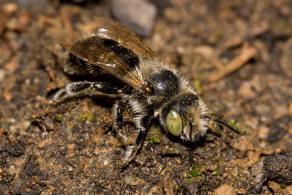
(246, 54)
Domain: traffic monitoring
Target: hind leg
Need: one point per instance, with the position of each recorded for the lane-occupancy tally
(78, 88)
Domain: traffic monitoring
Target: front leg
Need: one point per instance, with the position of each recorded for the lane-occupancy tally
(131, 150)
(140, 123)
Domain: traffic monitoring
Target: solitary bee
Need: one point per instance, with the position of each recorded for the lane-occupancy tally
(146, 84)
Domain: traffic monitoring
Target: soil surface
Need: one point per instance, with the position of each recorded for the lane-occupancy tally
(236, 54)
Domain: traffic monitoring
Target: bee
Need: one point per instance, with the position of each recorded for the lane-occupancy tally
(138, 79)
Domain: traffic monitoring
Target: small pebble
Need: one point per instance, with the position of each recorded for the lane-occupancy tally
(133, 181)
(286, 58)
(12, 65)
(44, 143)
(225, 189)
(205, 50)
(241, 191)
(16, 149)
(243, 144)
(246, 91)
(48, 123)
(290, 108)
(161, 4)
(138, 15)
(278, 129)
(263, 132)
(192, 188)
(169, 185)
(9, 8)
(2, 74)
(211, 167)
(278, 167)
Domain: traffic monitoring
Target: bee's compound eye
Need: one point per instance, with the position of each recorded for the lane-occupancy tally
(174, 123)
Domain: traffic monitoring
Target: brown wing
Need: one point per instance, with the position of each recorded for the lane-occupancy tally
(115, 49)
(109, 55)
(110, 29)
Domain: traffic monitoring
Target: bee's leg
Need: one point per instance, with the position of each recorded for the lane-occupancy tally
(140, 123)
(71, 90)
(139, 120)
(131, 150)
(118, 110)
(77, 88)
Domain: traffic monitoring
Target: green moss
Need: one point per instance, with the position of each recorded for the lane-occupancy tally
(178, 188)
(154, 130)
(219, 35)
(232, 123)
(191, 180)
(58, 118)
(119, 163)
(195, 165)
(153, 140)
(215, 172)
(235, 174)
(153, 135)
(284, 25)
(195, 173)
(237, 126)
(90, 117)
(282, 185)
(85, 116)
(198, 86)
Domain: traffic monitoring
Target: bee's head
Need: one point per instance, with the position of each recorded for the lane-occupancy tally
(186, 117)
(181, 117)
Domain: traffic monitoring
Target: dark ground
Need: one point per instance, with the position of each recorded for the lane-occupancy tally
(67, 149)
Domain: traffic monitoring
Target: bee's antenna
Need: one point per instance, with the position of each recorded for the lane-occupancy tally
(220, 122)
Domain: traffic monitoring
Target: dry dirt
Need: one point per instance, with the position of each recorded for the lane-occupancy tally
(236, 54)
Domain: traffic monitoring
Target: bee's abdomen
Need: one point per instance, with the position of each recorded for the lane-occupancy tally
(165, 83)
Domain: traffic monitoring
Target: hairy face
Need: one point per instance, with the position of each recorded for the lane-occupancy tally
(182, 117)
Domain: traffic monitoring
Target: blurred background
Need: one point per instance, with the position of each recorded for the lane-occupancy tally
(235, 53)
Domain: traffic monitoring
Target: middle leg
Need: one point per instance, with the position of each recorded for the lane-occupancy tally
(140, 119)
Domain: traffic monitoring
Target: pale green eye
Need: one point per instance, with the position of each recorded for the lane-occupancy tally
(174, 123)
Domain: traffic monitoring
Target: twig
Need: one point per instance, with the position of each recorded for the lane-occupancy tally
(246, 54)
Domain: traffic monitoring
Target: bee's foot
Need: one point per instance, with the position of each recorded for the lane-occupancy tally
(129, 155)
